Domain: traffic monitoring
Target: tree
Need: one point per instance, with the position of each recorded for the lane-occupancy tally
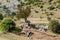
(1, 16)
(54, 26)
(7, 25)
(23, 13)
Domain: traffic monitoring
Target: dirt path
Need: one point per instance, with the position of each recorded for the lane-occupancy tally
(3, 38)
(36, 36)
(42, 36)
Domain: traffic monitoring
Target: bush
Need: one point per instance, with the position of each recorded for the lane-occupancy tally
(51, 8)
(41, 7)
(58, 1)
(36, 11)
(51, 14)
(54, 26)
(50, 0)
(58, 6)
(1, 16)
(13, 13)
(48, 18)
(7, 25)
(18, 5)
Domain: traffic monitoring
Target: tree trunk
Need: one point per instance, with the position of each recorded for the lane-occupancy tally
(25, 20)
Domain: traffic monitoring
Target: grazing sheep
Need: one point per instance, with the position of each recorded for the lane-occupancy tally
(29, 33)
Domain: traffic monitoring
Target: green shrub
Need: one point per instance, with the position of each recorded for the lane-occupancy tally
(51, 14)
(54, 26)
(1, 16)
(7, 25)
(19, 5)
(36, 11)
(58, 6)
(50, 0)
(41, 6)
(19, 0)
(58, 1)
(51, 8)
(13, 13)
(48, 18)
(4, 7)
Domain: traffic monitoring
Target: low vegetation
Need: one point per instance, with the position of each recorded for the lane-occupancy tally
(1, 16)
(7, 25)
(54, 26)
(51, 8)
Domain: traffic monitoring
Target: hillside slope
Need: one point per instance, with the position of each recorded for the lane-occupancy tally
(36, 36)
